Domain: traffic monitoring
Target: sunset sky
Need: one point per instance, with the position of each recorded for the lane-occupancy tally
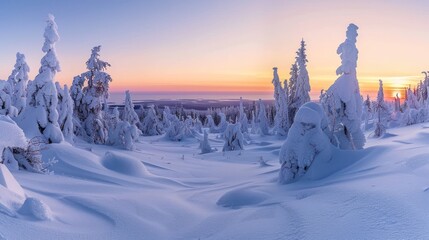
(220, 45)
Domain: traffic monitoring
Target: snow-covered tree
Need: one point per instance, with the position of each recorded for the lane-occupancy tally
(254, 126)
(281, 119)
(151, 125)
(262, 122)
(300, 81)
(41, 111)
(233, 138)
(367, 110)
(130, 114)
(6, 95)
(243, 118)
(91, 99)
(342, 101)
(382, 112)
(175, 131)
(305, 144)
(65, 111)
(205, 144)
(18, 80)
(292, 84)
(166, 117)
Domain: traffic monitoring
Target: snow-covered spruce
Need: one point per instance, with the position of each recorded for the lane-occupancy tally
(342, 101)
(300, 82)
(205, 144)
(18, 80)
(281, 119)
(233, 138)
(151, 125)
(382, 113)
(243, 118)
(175, 132)
(90, 100)
(65, 111)
(262, 121)
(6, 95)
(40, 117)
(306, 143)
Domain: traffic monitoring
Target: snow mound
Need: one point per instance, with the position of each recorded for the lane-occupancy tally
(238, 198)
(11, 193)
(124, 164)
(12, 135)
(9, 182)
(36, 208)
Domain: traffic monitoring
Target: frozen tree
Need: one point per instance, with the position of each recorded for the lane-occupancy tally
(91, 99)
(41, 111)
(125, 135)
(292, 91)
(175, 131)
(382, 112)
(65, 112)
(262, 121)
(6, 107)
(18, 80)
(151, 125)
(305, 144)
(254, 126)
(198, 125)
(205, 144)
(281, 119)
(367, 110)
(130, 114)
(243, 118)
(300, 81)
(397, 103)
(166, 117)
(211, 124)
(223, 123)
(233, 138)
(342, 101)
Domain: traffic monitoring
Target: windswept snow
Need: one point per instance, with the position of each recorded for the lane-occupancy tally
(167, 190)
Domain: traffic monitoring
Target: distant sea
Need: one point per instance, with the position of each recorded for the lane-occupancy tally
(118, 97)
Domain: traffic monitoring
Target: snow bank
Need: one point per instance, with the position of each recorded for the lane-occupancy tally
(238, 198)
(124, 164)
(11, 193)
(12, 135)
(36, 208)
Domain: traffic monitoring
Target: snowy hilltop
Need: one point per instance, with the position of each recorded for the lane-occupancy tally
(75, 166)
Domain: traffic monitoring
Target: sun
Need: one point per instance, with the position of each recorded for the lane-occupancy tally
(394, 93)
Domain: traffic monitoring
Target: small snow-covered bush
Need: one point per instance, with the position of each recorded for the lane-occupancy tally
(233, 138)
(306, 143)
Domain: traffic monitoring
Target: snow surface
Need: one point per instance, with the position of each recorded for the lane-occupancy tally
(167, 190)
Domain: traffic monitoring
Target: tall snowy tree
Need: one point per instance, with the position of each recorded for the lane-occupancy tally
(91, 99)
(292, 91)
(243, 118)
(382, 112)
(299, 82)
(18, 80)
(262, 121)
(65, 111)
(41, 111)
(281, 119)
(342, 101)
